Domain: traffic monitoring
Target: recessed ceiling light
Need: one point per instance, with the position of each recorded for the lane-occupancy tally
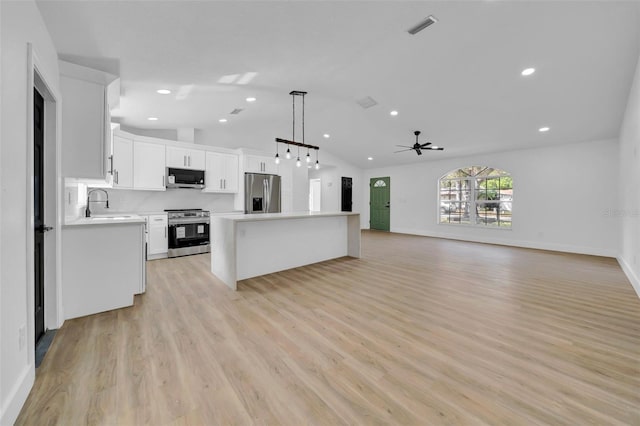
(251, 99)
(163, 91)
(528, 71)
(326, 135)
(223, 120)
(394, 113)
(152, 118)
(369, 158)
(543, 129)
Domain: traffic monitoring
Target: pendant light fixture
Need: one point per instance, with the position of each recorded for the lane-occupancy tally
(293, 142)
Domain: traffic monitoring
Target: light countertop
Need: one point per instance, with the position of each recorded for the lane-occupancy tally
(282, 216)
(106, 220)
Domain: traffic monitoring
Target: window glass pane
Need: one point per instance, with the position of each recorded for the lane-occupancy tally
(479, 192)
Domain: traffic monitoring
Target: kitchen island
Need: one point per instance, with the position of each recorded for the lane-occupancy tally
(249, 245)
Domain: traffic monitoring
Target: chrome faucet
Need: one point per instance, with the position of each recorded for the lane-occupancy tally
(87, 212)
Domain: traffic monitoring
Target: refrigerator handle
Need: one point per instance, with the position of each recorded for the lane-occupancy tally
(268, 195)
(264, 195)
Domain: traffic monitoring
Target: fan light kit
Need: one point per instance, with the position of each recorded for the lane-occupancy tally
(293, 142)
(418, 147)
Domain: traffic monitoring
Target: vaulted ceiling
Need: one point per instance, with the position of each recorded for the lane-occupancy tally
(458, 81)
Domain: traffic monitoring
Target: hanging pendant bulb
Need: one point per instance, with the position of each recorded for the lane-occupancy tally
(277, 159)
(288, 154)
(317, 165)
(298, 162)
(308, 157)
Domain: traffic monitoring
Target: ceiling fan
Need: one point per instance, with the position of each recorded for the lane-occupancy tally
(418, 147)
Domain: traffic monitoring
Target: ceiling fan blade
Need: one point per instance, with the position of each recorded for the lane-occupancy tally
(424, 145)
(439, 148)
(418, 152)
(403, 150)
(405, 146)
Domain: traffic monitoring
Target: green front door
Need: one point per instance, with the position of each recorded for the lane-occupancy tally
(379, 208)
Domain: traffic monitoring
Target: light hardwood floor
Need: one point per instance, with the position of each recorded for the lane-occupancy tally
(420, 331)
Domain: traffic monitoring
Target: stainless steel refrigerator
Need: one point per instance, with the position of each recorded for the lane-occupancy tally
(261, 193)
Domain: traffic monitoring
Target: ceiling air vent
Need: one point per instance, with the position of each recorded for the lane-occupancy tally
(236, 111)
(367, 102)
(422, 25)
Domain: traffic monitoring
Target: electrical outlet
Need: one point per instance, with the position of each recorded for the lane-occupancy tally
(22, 337)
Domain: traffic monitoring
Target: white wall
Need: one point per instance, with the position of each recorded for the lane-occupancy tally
(628, 212)
(21, 23)
(330, 173)
(562, 196)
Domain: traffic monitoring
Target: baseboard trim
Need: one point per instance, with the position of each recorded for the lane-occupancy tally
(631, 276)
(515, 243)
(17, 396)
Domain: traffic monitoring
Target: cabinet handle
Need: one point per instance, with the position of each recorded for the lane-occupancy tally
(115, 176)
(111, 167)
(184, 160)
(189, 161)
(165, 232)
(163, 181)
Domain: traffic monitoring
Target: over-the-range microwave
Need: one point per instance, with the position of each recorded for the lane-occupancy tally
(185, 178)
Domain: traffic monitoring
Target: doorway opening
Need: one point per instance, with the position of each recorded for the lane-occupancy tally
(43, 208)
(315, 195)
(347, 194)
(379, 203)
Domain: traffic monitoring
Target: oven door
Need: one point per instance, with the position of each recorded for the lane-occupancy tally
(188, 234)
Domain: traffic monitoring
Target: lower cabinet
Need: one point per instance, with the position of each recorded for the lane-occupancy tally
(157, 237)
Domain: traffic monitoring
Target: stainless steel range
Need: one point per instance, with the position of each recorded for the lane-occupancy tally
(188, 232)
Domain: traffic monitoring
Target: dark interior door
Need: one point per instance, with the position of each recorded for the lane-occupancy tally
(379, 204)
(38, 211)
(347, 192)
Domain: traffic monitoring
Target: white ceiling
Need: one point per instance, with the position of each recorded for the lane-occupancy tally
(457, 81)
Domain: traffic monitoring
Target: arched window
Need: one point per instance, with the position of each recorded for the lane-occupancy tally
(477, 196)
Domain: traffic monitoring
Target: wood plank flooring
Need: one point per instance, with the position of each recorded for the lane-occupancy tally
(420, 331)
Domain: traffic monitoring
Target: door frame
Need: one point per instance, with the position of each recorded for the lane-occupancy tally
(39, 77)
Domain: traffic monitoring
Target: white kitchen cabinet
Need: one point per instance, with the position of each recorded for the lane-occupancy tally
(221, 172)
(102, 266)
(185, 158)
(87, 97)
(157, 243)
(260, 164)
(122, 162)
(148, 166)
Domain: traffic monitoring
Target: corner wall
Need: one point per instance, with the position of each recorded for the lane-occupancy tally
(628, 212)
(20, 24)
(564, 198)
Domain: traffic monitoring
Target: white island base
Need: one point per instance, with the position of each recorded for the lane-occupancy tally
(250, 245)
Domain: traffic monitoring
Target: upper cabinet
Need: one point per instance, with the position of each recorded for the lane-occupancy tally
(122, 162)
(185, 158)
(148, 166)
(221, 173)
(86, 127)
(260, 164)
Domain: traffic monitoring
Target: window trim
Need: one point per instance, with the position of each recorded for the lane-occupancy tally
(473, 201)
